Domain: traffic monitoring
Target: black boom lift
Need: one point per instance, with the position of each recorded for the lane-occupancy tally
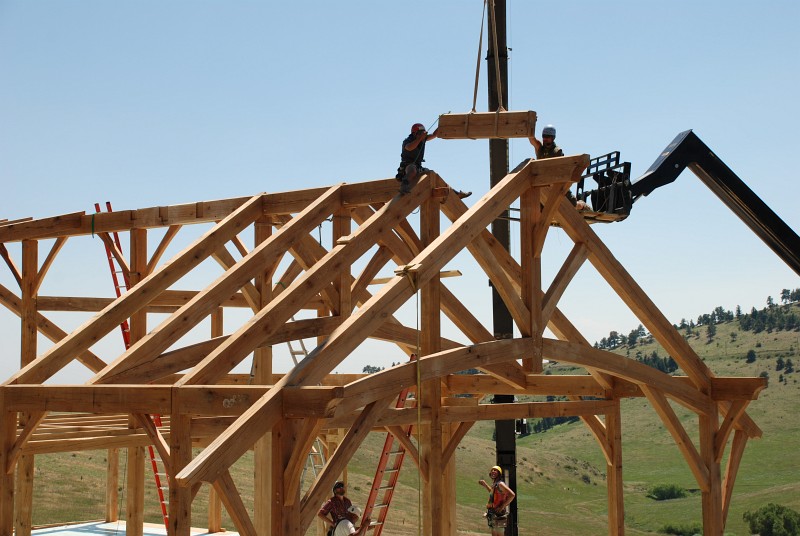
(615, 194)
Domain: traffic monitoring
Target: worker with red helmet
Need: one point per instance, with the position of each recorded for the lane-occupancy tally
(412, 156)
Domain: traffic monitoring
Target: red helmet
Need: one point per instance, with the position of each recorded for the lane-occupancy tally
(417, 127)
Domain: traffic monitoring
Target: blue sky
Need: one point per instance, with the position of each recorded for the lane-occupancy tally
(155, 103)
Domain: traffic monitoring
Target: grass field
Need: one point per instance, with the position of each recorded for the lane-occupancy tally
(560, 473)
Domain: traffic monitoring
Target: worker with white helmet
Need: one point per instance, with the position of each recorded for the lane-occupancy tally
(547, 148)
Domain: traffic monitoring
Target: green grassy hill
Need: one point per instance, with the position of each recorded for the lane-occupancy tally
(561, 473)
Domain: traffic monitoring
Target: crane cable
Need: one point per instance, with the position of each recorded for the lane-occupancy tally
(478, 62)
(500, 107)
(497, 61)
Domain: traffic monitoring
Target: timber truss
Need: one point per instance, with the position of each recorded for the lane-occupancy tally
(279, 416)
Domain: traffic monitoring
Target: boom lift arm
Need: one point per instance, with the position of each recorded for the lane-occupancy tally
(616, 194)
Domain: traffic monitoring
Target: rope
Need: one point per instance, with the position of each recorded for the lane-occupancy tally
(478, 62)
(419, 427)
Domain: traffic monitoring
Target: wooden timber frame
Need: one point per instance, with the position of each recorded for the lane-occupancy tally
(205, 404)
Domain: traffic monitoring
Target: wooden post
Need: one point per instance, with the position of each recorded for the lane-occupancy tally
(712, 499)
(214, 501)
(180, 450)
(214, 511)
(112, 485)
(276, 470)
(8, 432)
(25, 466)
(436, 523)
(134, 497)
(616, 507)
(531, 265)
(262, 375)
(341, 229)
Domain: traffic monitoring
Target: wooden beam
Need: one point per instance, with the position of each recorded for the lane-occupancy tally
(34, 419)
(571, 265)
(166, 240)
(166, 302)
(455, 439)
(390, 382)
(182, 358)
(112, 485)
(302, 443)
(524, 410)
(90, 399)
(248, 290)
(48, 329)
(51, 257)
(160, 444)
(615, 484)
(179, 453)
(735, 411)
(64, 224)
(678, 433)
(734, 459)
(630, 370)
(118, 255)
(400, 433)
(531, 273)
(10, 263)
(483, 125)
(232, 500)
(535, 384)
(8, 432)
(713, 522)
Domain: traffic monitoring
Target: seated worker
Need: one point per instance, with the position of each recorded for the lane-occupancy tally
(547, 148)
(412, 156)
(341, 512)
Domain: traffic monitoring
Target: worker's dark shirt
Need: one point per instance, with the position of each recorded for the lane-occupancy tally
(549, 152)
(415, 156)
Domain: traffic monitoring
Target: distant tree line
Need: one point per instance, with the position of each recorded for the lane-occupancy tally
(664, 364)
(770, 318)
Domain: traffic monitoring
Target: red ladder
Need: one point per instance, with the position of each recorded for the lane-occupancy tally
(116, 270)
(388, 472)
